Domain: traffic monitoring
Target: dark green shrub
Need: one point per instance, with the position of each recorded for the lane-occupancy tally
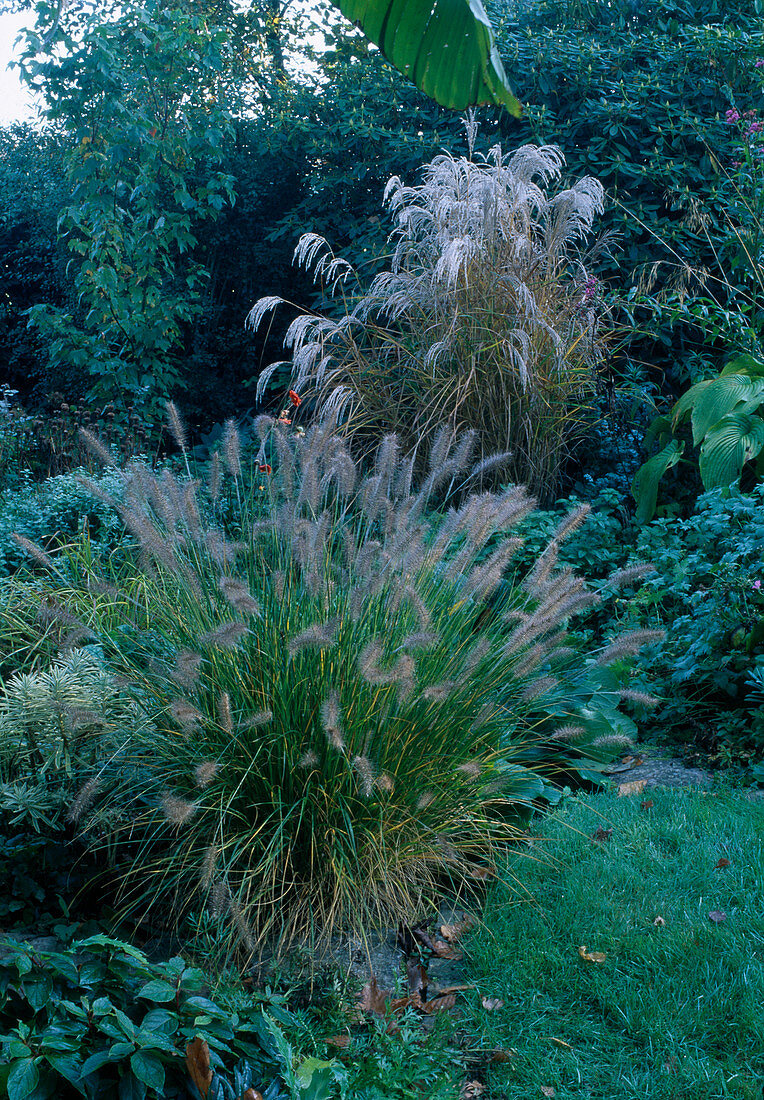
(55, 513)
(708, 594)
(99, 1020)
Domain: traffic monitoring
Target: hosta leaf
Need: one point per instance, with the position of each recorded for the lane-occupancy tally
(738, 438)
(446, 47)
(644, 487)
(726, 394)
(745, 364)
(688, 401)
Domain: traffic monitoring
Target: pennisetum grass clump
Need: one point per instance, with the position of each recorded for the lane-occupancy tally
(351, 700)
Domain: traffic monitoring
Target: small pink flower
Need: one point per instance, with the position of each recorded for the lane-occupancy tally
(757, 586)
(754, 128)
(732, 116)
(759, 64)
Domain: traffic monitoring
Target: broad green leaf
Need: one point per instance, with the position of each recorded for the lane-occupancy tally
(95, 1062)
(660, 429)
(726, 394)
(644, 487)
(726, 449)
(688, 401)
(745, 364)
(148, 1068)
(130, 1088)
(446, 47)
(23, 1079)
(69, 1070)
(157, 991)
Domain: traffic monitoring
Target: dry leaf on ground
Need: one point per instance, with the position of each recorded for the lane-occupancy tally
(492, 1004)
(440, 1003)
(722, 863)
(341, 1041)
(592, 956)
(500, 1055)
(547, 1090)
(635, 787)
(647, 805)
(471, 1090)
(659, 922)
(454, 932)
(416, 975)
(198, 1065)
(372, 998)
(602, 834)
(717, 916)
(440, 948)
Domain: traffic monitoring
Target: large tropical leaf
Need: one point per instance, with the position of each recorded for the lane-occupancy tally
(736, 439)
(446, 47)
(644, 487)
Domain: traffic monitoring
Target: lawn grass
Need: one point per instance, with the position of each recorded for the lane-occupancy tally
(676, 1009)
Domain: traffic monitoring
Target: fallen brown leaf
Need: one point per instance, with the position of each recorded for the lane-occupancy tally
(341, 1041)
(454, 932)
(602, 834)
(441, 1003)
(547, 1090)
(647, 805)
(372, 998)
(443, 950)
(635, 787)
(198, 1065)
(471, 1090)
(717, 916)
(480, 872)
(499, 1055)
(592, 956)
(416, 976)
(721, 863)
(492, 1004)
(560, 1043)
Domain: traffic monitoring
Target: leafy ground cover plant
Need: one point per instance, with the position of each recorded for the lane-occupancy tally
(343, 723)
(707, 591)
(486, 318)
(650, 987)
(98, 1019)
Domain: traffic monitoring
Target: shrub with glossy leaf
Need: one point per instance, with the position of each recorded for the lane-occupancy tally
(98, 1019)
(349, 710)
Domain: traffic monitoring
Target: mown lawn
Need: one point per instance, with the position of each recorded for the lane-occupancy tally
(676, 1008)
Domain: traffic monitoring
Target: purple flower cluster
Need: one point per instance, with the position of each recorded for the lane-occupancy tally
(590, 289)
(732, 116)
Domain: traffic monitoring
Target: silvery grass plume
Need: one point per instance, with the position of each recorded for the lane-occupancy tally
(482, 320)
(350, 700)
